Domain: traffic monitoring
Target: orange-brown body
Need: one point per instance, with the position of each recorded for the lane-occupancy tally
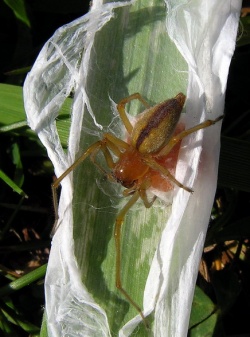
(150, 134)
(130, 170)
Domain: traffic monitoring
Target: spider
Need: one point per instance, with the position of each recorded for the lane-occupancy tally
(139, 159)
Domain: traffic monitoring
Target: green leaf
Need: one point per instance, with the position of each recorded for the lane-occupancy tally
(13, 117)
(12, 315)
(11, 104)
(18, 7)
(6, 327)
(145, 60)
(16, 158)
(24, 280)
(244, 32)
(203, 315)
(12, 184)
(18, 71)
(43, 331)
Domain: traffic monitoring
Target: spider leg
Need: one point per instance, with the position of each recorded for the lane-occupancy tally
(108, 142)
(177, 138)
(144, 186)
(107, 156)
(165, 172)
(113, 144)
(142, 192)
(117, 235)
(93, 148)
(145, 200)
(122, 112)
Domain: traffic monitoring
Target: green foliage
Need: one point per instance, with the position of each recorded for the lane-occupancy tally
(244, 32)
(18, 7)
(203, 316)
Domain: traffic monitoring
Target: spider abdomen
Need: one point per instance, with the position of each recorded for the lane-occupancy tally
(156, 125)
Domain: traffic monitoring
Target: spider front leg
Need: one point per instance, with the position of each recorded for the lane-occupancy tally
(94, 148)
(108, 142)
(122, 112)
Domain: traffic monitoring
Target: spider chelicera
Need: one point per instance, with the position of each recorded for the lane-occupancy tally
(139, 159)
